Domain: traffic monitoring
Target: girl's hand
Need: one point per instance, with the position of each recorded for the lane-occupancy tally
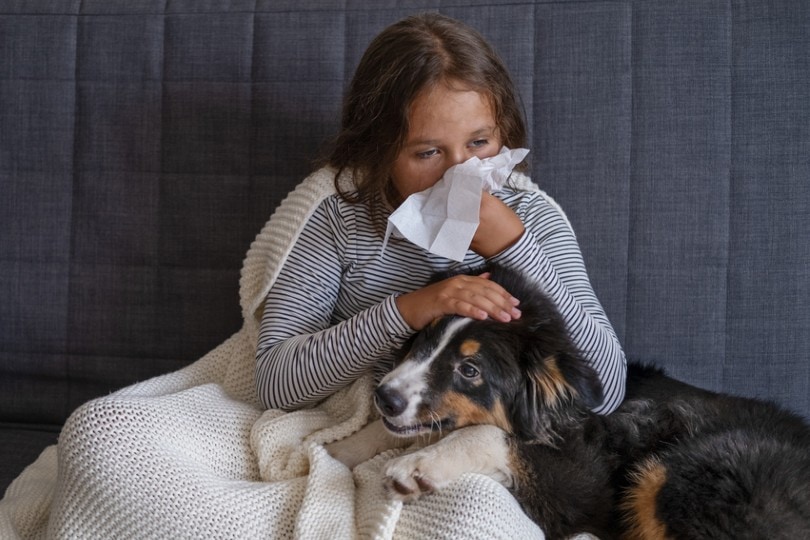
(499, 227)
(469, 296)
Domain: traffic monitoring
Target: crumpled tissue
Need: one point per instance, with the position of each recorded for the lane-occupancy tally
(443, 218)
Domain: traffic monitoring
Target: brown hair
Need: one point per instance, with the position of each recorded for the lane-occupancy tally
(407, 57)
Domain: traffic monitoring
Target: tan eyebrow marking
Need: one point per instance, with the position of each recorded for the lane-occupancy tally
(469, 347)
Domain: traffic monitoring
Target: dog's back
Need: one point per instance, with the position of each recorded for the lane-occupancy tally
(697, 464)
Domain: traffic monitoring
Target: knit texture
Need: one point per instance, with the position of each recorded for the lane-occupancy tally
(190, 454)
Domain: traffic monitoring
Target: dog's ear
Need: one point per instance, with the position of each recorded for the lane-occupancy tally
(554, 362)
(583, 379)
(563, 378)
(552, 384)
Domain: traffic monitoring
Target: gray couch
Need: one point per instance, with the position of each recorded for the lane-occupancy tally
(143, 144)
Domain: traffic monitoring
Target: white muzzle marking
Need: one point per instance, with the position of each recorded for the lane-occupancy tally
(409, 379)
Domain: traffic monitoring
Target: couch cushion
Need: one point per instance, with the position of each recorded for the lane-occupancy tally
(144, 143)
(20, 445)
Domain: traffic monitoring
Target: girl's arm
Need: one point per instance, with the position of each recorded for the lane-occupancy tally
(303, 355)
(548, 251)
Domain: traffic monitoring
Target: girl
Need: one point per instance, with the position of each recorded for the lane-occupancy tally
(429, 93)
(182, 455)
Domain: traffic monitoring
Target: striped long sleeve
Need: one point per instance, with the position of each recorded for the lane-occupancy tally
(331, 315)
(548, 251)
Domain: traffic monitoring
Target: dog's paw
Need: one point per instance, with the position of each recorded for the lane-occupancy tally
(475, 449)
(410, 476)
(347, 452)
(365, 444)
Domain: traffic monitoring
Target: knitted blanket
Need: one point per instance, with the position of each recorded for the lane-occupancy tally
(191, 454)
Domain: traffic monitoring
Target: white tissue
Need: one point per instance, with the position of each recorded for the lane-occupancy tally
(442, 219)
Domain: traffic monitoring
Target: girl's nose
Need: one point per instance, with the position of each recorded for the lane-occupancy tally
(459, 156)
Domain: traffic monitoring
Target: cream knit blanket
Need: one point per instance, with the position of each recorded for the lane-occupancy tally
(191, 454)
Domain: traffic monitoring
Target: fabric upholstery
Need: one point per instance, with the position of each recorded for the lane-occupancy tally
(144, 143)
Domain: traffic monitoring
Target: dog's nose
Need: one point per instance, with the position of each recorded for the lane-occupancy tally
(390, 402)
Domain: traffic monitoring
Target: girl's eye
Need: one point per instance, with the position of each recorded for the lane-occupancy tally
(468, 371)
(427, 153)
(480, 142)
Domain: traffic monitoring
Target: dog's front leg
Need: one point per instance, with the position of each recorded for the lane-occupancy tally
(483, 449)
(365, 444)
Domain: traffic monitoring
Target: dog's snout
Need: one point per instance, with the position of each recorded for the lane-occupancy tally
(390, 402)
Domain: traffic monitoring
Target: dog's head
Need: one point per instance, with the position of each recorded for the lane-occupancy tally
(521, 376)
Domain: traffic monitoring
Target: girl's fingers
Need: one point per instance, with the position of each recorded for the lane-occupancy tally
(469, 296)
(485, 299)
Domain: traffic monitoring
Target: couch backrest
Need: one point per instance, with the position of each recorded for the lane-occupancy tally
(144, 143)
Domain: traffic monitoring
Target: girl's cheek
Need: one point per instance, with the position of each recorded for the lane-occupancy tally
(429, 173)
(418, 178)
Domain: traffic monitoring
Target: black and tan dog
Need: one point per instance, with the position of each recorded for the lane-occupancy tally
(512, 401)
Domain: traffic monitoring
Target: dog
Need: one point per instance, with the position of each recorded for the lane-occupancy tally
(513, 401)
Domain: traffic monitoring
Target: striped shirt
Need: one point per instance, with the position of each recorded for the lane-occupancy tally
(331, 315)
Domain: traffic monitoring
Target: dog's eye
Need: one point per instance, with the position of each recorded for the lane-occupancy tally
(468, 371)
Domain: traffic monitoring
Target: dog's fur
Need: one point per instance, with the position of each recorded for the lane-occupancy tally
(512, 401)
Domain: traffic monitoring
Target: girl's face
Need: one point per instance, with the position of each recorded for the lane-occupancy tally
(448, 126)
